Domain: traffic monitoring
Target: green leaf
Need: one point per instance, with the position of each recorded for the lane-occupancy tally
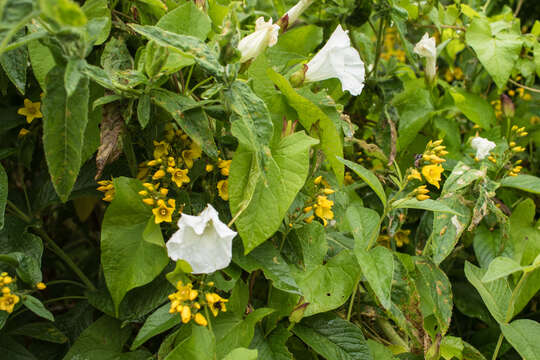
(428, 204)
(377, 266)
(233, 332)
(379, 351)
(73, 75)
(529, 288)
(497, 49)
(42, 61)
(523, 334)
(315, 121)
(435, 292)
(45, 331)
(527, 183)
(98, 9)
(3, 194)
(242, 354)
(201, 53)
(160, 321)
(64, 122)
(63, 12)
(191, 119)
(132, 249)
(92, 134)
(333, 338)
(186, 19)
(475, 108)
(103, 340)
(448, 228)
(496, 294)
(368, 177)
(364, 225)
(14, 63)
(328, 286)
(461, 176)
(501, 267)
(201, 345)
(414, 107)
(37, 307)
(12, 350)
(295, 45)
(286, 172)
(274, 345)
(312, 239)
(451, 347)
(524, 234)
(143, 110)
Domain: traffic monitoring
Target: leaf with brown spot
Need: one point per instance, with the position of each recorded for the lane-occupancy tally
(112, 127)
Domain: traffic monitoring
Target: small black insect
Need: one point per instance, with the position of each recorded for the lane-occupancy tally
(417, 159)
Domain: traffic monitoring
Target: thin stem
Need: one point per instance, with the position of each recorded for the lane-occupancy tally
(518, 8)
(189, 77)
(355, 289)
(199, 84)
(70, 282)
(378, 48)
(19, 212)
(391, 333)
(71, 297)
(61, 254)
(498, 347)
(524, 87)
(208, 318)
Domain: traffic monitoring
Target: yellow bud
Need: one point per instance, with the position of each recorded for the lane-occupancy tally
(154, 162)
(317, 180)
(158, 175)
(437, 143)
(163, 191)
(6, 290)
(422, 197)
(519, 162)
(185, 314)
(210, 283)
(512, 144)
(41, 286)
(200, 319)
(514, 128)
(328, 191)
(523, 133)
(143, 193)
(149, 186)
(308, 209)
(8, 280)
(209, 167)
(309, 219)
(518, 149)
(148, 201)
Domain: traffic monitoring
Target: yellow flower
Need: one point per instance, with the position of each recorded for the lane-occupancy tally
(158, 174)
(179, 176)
(200, 319)
(225, 166)
(216, 303)
(30, 110)
(432, 174)
(107, 187)
(8, 300)
(162, 212)
(161, 149)
(209, 167)
(308, 209)
(193, 153)
(323, 209)
(317, 180)
(415, 174)
(348, 178)
(402, 237)
(223, 189)
(171, 162)
(41, 286)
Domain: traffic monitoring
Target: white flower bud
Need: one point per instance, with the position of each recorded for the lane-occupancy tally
(203, 241)
(482, 147)
(337, 59)
(427, 48)
(265, 35)
(297, 10)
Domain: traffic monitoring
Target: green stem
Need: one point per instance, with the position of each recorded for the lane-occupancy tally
(391, 333)
(208, 318)
(498, 347)
(351, 303)
(18, 212)
(70, 282)
(199, 84)
(378, 48)
(71, 297)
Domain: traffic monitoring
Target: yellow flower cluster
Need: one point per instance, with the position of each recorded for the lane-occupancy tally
(453, 74)
(497, 104)
(322, 208)
(187, 302)
(520, 92)
(8, 300)
(431, 170)
(516, 132)
(390, 48)
(401, 237)
(223, 185)
(106, 187)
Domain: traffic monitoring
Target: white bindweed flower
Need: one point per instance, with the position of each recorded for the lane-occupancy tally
(265, 35)
(337, 59)
(482, 147)
(427, 48)
(203, 241)
(294, 13)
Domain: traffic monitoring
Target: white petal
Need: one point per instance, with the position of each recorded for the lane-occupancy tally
(265, 35)
(203, 241)
(297, 10)
(426, 47)
(482, 147)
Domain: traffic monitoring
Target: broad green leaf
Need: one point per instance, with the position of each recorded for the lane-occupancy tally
(489, 244)
(414, 107)
(92, 134)
(73, 75)
(42, 61)
(428, 204)
(315, 121)
(35, 306)
(250, 120)
(523, 334)
(524, 232)
(379, 351)
(295, 45)
(461, 176)
(312, 239)
(186, 19)
(447, 228)
(242, 354)
(527, 183)
(160, 321)
(14, 63)
(469, 302)
(150, 10)
(191, 119)
(103, 340)
(364, 225)
(3, 195)
(98, 9)
(201, 345)
(435, 292)
(268, 259)
(45, 331)
(377, 266)
(451, 347)
(328, 286)
(498, 50)
(474, 107)
(132, 249)
(286, 172)
(116, 56)
(12, 350)
(501, 267)
(333, 338)
(496, 294)
(190, 45)
(143, 110)
(64, 122)
(273, 346)
(368, 177)
(63, 12)
(529, 288)
(233, 332)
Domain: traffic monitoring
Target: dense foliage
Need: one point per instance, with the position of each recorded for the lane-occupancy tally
(216, 179)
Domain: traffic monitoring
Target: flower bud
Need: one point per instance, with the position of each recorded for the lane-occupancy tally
(507, 106)
(265, 35)
(427, 48)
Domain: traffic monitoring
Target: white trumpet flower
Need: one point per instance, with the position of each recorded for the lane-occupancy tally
(202, 241)
(265, 35)
(482, 147)
(337, 59)
(294, 13)
(427, 48)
